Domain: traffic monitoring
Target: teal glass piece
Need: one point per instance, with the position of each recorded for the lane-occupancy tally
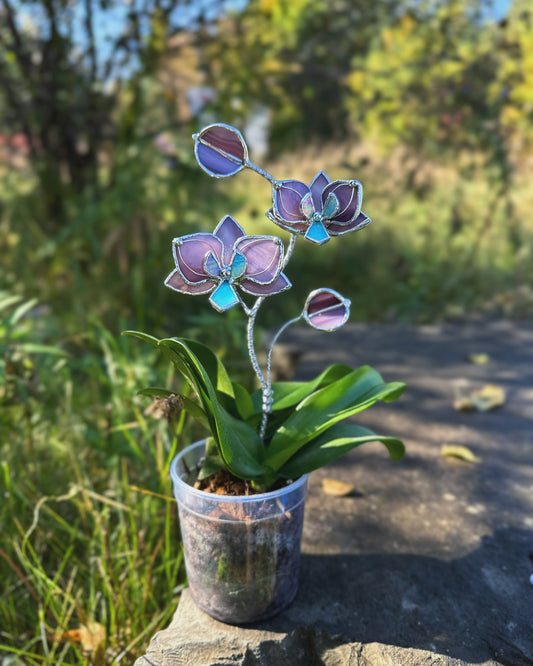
(224, 297)
(238, 266)
(331, 206)
(211, 265)
(317, 233)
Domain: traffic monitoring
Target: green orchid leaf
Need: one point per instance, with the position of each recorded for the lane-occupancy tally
(186, 364)
(289, 394)
(212, 365)
(171, 355)
(196, 411)
(353, 393)
(142, 336)
(243, 402)
(213, 463)
(217, 374)
(284, 399)
(334, 443)
(240, 447)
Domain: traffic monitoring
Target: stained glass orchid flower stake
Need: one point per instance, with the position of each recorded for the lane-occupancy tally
(286, 429)
(228, 258)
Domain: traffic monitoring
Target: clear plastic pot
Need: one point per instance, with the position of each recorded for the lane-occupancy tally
(242, 554)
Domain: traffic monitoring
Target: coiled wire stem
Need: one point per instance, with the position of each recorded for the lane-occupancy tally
(266, 381)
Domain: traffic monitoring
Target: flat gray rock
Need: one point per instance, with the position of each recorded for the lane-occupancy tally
(429, 560)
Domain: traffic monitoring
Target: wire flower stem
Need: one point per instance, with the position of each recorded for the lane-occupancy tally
(263, 173)
(252, 314)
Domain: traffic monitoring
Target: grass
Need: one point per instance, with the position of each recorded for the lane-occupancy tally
(90, 555)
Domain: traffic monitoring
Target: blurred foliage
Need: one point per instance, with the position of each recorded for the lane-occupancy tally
(89, 532)
(428, 103)
(292, 56)
(425, 80)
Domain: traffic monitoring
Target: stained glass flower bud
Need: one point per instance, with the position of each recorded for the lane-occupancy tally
(326, 310)
(220, 150)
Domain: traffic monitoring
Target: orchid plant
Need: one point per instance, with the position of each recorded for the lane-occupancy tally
(284, 429)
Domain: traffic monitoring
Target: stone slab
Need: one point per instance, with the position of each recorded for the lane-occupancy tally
(429, 560)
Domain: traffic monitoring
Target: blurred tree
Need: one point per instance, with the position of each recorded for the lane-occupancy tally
(512, 89)
(425, 80)
(73, 80)
(293, 56)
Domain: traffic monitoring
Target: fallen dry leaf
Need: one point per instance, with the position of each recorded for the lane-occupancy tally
(458, 451)
(479, 358)
(337, 488)
(91, 637)
(489, 397)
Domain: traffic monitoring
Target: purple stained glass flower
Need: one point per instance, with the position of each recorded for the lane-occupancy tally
(320, 210)
(326, 310)
(219, 262)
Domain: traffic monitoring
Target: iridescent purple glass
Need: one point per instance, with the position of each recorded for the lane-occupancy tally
(326, 310)
(221, 150)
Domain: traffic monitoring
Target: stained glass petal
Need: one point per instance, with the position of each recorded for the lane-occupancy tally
(264, 257)
(238, 266)
(177, 282)
(318, 184)
(293, 227)
(317, 233)
(224, 297)
(287, 198)
(220, 150)
(281, 283)
(349, 194)
(307, 206)
(190, 252)
(212, 265)
(229, 232)
(360, 222)
(331, 206)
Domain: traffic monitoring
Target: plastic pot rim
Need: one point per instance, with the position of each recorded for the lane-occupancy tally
(225, 499)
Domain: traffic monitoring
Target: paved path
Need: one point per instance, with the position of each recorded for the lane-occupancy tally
(429, 560)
